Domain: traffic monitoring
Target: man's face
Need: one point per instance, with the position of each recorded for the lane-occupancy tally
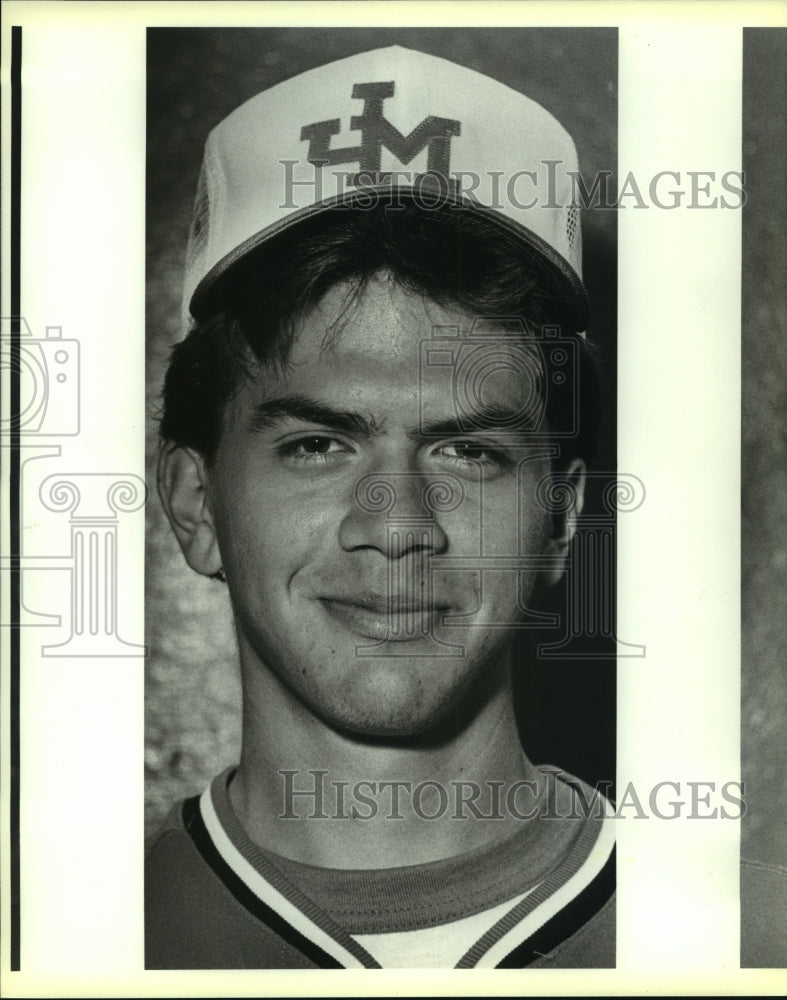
(338, 519)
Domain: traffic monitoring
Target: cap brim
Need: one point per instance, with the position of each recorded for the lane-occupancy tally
(575, 306)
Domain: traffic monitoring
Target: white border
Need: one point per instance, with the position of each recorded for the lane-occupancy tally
(679, 570)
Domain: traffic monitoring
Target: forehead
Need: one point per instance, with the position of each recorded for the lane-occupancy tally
(387, 333)
(398, 360)
(381, 322)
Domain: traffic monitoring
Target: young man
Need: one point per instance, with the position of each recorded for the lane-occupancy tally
(376, 433)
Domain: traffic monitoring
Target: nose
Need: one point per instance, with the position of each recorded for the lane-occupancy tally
(399, 514)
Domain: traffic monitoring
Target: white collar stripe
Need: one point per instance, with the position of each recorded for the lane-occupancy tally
(270, 895)
(543, 904)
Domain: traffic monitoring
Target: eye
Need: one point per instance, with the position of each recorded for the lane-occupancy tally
(467, 452)
(313, 449)
(474, 455)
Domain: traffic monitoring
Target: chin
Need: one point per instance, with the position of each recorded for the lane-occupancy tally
(396, 710)
(390, 727)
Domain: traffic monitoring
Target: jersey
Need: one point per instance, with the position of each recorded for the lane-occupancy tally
(543, 897)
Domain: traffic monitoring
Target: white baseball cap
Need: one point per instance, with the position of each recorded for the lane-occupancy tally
(396, 122)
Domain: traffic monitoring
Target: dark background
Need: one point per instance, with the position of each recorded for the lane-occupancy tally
(195, 78)
(764, 446)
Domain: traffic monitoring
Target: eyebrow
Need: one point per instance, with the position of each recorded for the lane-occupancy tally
(311, 411)
(481, 419)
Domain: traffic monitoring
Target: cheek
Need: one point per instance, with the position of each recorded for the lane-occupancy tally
(506, 519)
(535, 520)
(266, 537)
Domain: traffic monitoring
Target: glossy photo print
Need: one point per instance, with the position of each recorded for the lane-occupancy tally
(392, 460)
(763, 561)
(380, 695)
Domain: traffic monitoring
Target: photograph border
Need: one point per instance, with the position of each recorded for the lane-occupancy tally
(94, 948)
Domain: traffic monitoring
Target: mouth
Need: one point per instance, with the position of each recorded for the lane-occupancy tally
(386, 619)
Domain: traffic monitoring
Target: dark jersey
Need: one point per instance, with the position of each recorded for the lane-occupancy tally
(541, 898)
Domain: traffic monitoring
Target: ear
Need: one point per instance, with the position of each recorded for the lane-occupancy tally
(182, 486)
(564, 523)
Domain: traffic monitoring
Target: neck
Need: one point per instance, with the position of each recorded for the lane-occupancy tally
(326, 798)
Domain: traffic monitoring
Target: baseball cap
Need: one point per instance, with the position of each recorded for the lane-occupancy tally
(393, 123)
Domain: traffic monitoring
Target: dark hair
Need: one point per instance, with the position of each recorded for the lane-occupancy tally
(451, 256)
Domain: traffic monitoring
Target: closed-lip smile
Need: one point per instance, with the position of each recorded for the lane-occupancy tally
(377, 616)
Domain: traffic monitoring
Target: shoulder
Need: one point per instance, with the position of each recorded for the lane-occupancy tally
(763, 915)
(184, 901)
(591, 947)
(174, 881)
(588, 915)
(172, 822)
(192, 918)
